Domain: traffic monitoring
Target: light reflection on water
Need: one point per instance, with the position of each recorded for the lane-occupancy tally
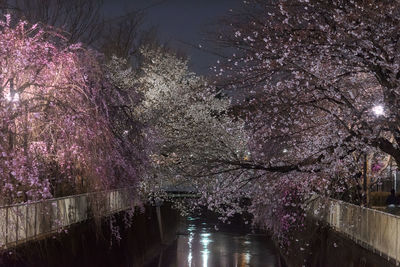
(205, 240)
(200, 245)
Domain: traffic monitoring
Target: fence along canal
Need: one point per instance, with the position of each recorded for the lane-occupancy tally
(30, 221)
(375, 230)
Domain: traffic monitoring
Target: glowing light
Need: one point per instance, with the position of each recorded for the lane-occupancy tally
(205, 240)
(247, 258)
(10, 98)
(285, 150)
(378, 110)
(205, 257)
(191, 228)
(190, 257)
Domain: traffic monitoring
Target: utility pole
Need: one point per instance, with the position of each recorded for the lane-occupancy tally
(366, 179)
(393, 174)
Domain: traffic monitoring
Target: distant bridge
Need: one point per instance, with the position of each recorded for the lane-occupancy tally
(181, 191)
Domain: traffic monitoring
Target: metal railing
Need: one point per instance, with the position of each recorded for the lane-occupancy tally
(29, 221)
(375, 230)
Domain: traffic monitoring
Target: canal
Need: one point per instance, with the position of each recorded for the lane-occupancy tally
(204, 241)
(199, 240)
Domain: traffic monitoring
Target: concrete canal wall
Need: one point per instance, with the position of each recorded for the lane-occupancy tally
(374, 230)
(33, 221)
(342, 234)
(89, 243)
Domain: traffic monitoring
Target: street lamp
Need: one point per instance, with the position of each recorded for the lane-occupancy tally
(378, 110)
(12, 98)
(12, 94)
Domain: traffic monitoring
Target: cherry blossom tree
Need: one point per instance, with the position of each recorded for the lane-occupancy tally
(319, 84)
(192, 135)
(55, 128)
(122, 99)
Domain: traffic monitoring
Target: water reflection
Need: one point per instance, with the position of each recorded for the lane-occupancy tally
(205, 240)
(199, 244)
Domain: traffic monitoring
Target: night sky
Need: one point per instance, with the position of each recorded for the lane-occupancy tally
(179, 22)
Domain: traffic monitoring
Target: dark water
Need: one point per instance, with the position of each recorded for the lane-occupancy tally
(206, 242)
(201, 241)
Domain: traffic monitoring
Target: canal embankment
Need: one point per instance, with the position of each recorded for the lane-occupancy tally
(318, 245)
(342, 234)
(161, 236)
(96, 243)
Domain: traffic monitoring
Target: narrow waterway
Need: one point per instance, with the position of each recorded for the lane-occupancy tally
(203, 241)
(192, 241)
